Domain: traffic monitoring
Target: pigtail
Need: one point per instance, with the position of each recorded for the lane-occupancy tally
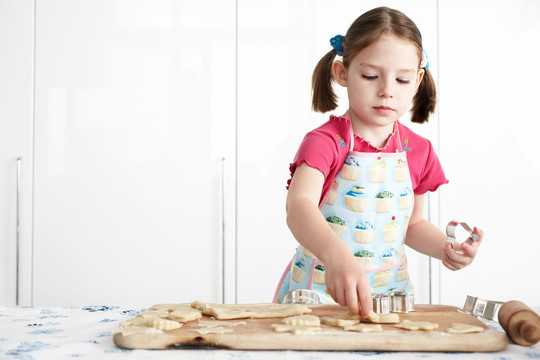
(324, 98)
(424, 100)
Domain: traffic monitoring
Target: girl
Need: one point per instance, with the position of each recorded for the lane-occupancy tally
(358, 181)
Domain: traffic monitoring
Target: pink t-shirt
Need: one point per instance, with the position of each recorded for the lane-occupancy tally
(326, 148)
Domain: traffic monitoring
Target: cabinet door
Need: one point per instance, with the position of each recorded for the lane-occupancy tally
(16, 46)
(134, 150)
(279, 44)
(489, 128)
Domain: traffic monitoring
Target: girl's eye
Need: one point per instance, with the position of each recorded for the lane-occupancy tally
(403, 81)
(369, 77)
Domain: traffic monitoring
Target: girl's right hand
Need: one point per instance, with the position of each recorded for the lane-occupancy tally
(348, 285)
(345, 279)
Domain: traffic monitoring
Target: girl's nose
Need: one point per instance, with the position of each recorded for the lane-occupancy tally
(386, 90)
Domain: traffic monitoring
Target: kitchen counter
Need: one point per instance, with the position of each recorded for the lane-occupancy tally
(64, 332)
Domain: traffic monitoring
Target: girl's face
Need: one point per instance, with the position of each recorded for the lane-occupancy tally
(381, 81)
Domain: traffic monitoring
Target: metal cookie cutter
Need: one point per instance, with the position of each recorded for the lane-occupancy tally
(381, 303)
(402, 302)
(482, 308)
(399, 301)
(451, 231)
(301, 296)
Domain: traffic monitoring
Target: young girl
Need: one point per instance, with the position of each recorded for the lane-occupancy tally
(358, 181)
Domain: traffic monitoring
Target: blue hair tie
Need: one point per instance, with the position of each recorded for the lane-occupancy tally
(424, 62)
(336, 44)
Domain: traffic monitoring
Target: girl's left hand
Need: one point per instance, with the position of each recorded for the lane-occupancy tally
(456, 256)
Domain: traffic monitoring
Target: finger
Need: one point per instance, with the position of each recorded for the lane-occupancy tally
(450, 243)
(332, 290)
(449, 265)
(479, 232)
(450, 252)
(478, 241)
(366, 304)
(456, 260)
(337, 294)
(343, 296)
(469, 250)
(352, 300)
(470, 241)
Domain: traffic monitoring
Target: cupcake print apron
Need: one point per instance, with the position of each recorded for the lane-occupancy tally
(369, 208)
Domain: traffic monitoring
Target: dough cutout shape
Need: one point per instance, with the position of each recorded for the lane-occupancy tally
(164, 324)
(149, 322)
(137, 330)
(364, 328)
(185, 316)
(152, 314)
(159, 317)
(417, 325)
(134, 322)
(178, 312)
(375, 318)
(337, 321)
(459, 328)
(302, 320)
(295, 330)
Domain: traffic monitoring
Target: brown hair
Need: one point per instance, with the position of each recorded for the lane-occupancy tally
(365, 30)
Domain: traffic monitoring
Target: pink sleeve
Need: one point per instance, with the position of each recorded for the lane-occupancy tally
(427, 174)
(316, 150)
(323, 149)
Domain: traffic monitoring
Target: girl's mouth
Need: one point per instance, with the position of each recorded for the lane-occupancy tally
(383, 109)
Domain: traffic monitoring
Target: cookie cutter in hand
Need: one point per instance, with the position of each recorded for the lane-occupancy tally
(451, 231)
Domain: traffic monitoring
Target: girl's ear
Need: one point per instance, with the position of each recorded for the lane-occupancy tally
(340, 73)
(419, 77)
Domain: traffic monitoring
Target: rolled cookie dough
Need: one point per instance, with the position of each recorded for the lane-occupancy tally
(302, 320)
(254, 311)
(295, 330)
(337, 321)
(364, 328)
(417, 325)
(458, 328)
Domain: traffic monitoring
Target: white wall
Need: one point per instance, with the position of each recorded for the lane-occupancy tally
(489, 64)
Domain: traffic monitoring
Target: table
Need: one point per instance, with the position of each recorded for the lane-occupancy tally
(68, 332)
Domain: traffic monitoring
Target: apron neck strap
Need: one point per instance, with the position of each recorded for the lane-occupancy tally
(397, 137)
(351, 133)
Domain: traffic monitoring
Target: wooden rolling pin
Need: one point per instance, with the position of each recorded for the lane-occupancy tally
(520, 323)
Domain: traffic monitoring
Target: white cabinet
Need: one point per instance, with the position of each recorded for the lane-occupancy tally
(134, 151)
(16, 47)
(489, 127)
(279, 44)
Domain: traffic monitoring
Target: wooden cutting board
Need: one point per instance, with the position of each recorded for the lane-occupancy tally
(257, 334)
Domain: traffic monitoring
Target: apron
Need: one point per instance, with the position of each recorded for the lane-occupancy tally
(368, 207)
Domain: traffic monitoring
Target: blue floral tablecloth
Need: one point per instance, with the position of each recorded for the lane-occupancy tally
(62, 332)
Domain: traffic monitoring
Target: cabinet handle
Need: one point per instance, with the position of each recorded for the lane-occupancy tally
(18, 233)
(223, 230)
